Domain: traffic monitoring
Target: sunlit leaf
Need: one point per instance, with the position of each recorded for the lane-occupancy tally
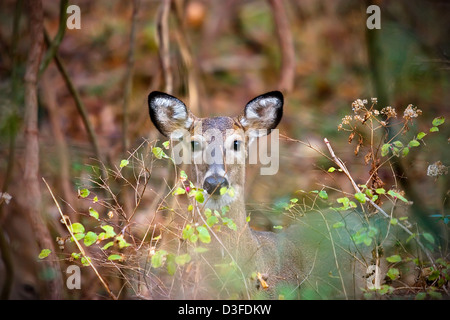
(93, 213)
(438, 121)
(90, 238)
(44, 253)
(124, 163)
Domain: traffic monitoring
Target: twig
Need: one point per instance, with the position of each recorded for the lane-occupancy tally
(53, 47)
(355, 186)
(65, 219)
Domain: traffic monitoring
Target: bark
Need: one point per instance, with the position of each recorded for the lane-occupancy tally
(32, 194)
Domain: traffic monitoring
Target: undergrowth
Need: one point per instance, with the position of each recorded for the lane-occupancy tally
(138, 248)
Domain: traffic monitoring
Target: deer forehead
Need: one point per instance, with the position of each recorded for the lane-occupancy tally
(224, 125)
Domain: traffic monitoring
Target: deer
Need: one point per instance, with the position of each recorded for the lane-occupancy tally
(273, 258)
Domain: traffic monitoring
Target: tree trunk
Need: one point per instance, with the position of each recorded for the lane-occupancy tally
(31, 188)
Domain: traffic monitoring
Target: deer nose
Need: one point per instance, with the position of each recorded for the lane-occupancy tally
(214, 183)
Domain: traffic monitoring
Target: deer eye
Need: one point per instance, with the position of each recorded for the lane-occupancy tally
(195, 145)
(237, 145)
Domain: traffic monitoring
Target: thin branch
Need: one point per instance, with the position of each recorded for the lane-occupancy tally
(387, 216)
(53, 47)
(65, 220)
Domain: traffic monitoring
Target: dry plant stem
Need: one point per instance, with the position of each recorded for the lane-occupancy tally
(65, 220)
(32, 193)
(341, 165)
(225, 248)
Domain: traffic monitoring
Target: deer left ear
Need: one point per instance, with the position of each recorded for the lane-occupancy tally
(262, 114)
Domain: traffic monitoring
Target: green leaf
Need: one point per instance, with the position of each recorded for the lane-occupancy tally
(393, 273)
(360, 197)
(187, 232)
(159, 153)
(420, 296)
(203, 234)
(181, 260)
(420, 135)
(93, 213)
(278, 227)
(124, 163)
(212, 220)
(166, 144)
(199, 196)
(44, 253)
(344, 200)
(114, 257)
(338, 225)
(438, 121)
(385, 149)
(83, 193)
(95, 199)
(428, 237)
(77, 227)
(179, 191)
(90, 238)
(394, 221)
(229, 223)
(109, 231)
(158, 258)
(75, 255)
(380, 191)
(398, 144)
(77, 236)
(405, 152)
(183, 175)
(231, 192)
(170, 263)
(109, 244)
(434, 129)
(85, 261)
(331, 169)
(223, 190)
(397, 195)
(413, 143)
(122, 242)
(323, 194)
(394, 258)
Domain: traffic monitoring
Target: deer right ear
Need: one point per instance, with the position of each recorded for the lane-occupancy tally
(168, 113)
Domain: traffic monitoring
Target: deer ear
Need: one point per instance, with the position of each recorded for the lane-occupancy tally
(168, 113)
(262, 114)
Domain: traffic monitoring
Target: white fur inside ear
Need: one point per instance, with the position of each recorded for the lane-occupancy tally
(261, 113)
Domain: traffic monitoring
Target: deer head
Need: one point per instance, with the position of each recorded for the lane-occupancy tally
(216, 147)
